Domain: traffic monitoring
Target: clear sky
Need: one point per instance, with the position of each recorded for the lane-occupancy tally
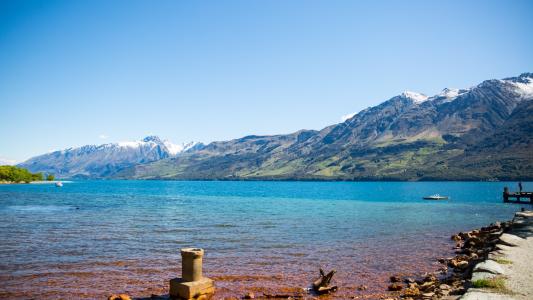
(89, 72)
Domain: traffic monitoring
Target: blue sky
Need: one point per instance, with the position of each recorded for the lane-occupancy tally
(88, 72)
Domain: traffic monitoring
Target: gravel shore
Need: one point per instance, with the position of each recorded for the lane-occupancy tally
(511, 262)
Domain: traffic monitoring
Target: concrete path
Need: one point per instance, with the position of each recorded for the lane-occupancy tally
(513, 261)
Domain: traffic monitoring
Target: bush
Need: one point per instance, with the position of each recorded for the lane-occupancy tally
(50, 177)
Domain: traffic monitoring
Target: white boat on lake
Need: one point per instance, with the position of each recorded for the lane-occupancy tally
(436, 197)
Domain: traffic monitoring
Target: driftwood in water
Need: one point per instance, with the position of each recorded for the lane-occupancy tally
(321, 285)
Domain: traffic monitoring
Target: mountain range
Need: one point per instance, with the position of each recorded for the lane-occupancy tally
(102, 161)
(479, 133)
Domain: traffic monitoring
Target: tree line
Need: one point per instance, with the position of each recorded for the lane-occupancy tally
(16, 174)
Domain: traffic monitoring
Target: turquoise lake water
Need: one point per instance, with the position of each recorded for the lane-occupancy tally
(92, 238)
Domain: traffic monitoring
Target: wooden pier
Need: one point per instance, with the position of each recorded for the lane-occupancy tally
(517, 197)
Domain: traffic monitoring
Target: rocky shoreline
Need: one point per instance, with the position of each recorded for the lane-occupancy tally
(476, 264)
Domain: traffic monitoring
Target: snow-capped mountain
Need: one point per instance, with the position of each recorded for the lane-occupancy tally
(96, 161)
(481, 132)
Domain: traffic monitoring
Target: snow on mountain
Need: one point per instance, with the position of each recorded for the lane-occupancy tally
(152, 142)
(344, 118)
(525, 89)
(102, 160)
(451, 93)
(416, 97)
(175, 149)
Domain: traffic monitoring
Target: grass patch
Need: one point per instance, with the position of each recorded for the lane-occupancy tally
(503, 261)
(496, 283)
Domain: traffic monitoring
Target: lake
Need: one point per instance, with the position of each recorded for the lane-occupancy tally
(90, 239)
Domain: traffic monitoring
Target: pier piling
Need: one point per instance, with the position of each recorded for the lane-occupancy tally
(192, 284)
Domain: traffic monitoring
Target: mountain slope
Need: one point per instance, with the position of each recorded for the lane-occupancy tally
(102, 161)
(408, 137)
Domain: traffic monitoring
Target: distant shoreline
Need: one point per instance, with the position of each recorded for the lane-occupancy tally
(36, 182)
(50, 182)
(512, 180)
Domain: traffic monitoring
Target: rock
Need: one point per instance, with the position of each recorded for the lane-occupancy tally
(511, 240)
(474, 256)
(444, 287)
(428, 295)
(395, 278)
(519, 223)
(249, 295)
(456, 237)
(524, 214)
(411, 292)
(119, 297)
(426, 286)
(462, 265)
(442, 260)
(496, 233)
(430, 278)
(409, 280)
(452, 297)
(489, 266)
(482, 275)
(413, 285)
(362, 288)
(395, 287)
(452, 263)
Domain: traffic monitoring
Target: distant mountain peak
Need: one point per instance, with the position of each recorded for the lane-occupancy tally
(152, 138)
(416, 97)
(96, 161)
(451, 93)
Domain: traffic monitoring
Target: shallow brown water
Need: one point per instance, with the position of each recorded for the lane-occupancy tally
(282, 273)
(91, 239)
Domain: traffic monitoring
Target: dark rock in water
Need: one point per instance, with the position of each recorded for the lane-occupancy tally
(249, 295)
(395, 287)
(430, 278)
(362, 288)
(409, 280)
(395, 278)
